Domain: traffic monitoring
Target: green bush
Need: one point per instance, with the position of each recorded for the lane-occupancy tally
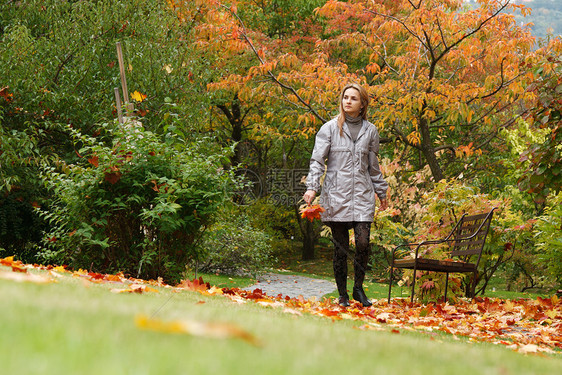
(137, 205)
(548, 232)
(275, 219)
(20, 189)
(386, 233)
(60, 67)
(234, 246)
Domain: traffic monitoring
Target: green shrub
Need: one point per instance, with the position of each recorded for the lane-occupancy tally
(20, 188)
(59, 67)
(234, 246)
(386, 233)
(275, 219)
(548, 232)
(137, 205)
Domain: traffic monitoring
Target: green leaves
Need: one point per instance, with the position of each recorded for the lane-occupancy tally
(146, 220)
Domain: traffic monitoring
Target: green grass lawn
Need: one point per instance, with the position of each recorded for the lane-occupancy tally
(77, 327)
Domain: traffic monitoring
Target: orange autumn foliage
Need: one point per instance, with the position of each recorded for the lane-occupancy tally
(312, 212)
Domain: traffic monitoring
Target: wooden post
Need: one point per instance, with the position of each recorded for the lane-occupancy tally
(119, 105)
(129, 108)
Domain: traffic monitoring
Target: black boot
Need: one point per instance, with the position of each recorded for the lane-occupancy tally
(362, 234)
(340, 275)
(340, 238)
(359, 295)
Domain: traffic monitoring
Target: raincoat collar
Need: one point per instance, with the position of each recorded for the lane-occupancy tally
(346, 131)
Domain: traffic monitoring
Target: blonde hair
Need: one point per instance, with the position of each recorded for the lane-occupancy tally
(364, 97)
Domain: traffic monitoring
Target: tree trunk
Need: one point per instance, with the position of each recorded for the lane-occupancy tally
(308, 242)
(309, 235)
(428, 150)
(236, 120)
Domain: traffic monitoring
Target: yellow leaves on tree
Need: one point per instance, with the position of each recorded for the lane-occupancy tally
(414, 138)
(137, 96)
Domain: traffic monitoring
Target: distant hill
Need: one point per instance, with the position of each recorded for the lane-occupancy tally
(546, 15)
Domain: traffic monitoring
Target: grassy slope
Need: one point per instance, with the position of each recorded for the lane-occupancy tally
(76, 327)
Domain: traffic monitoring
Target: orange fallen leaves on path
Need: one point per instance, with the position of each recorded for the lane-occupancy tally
(524, 325)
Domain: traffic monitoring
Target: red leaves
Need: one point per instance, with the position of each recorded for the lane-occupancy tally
(94, 160)
(16, 265)
(5, 94)
(523, 325)
(429, 284)
(113, 176)
(312, 212)
(195, 285)
(19, 272)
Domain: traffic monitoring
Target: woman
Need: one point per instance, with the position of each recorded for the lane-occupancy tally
(346, 149)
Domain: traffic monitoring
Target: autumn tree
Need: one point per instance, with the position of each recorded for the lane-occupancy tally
(445, 77)
(239, 39)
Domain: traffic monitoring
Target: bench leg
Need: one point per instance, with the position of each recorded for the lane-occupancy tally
(390, 283)
(446, 287)
(474, 278)
(413, 285)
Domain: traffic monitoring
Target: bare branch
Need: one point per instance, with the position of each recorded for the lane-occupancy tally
(414, 5)
(442, 35)
(444, 147)
(270, 73)
(474, 31)
(383, 44)
(400, 22)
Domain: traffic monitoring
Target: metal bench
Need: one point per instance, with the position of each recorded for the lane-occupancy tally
(465, 243)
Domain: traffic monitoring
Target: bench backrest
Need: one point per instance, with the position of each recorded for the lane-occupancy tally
(470, 236)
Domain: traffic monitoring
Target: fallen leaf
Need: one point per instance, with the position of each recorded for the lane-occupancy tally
(196, 328)
(25, 277)
(135, 288)
(529, 348)
(7, 261)
(195, 285)
(292, 311)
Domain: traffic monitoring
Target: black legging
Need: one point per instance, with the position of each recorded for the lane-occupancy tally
(340, 235)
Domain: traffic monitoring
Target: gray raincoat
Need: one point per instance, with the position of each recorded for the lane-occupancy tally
(352, 175)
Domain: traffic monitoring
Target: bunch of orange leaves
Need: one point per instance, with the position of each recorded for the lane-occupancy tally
(311, 212)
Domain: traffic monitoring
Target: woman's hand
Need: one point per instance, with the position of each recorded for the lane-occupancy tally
(309, 196)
